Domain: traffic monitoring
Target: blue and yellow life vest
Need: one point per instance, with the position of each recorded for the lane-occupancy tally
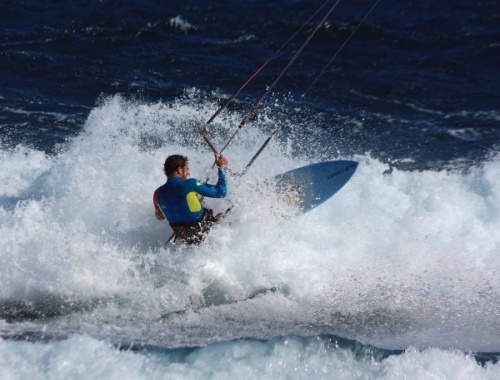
(178, 199)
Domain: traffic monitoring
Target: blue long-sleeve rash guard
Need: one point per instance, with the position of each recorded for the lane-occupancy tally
(178, 199)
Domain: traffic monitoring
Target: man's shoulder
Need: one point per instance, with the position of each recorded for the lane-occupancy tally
(193, 182)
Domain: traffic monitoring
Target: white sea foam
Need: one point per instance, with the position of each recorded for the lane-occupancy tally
(399, 260)
(180, 23)
(82, 357)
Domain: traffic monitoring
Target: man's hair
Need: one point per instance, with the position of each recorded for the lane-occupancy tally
(172, 163)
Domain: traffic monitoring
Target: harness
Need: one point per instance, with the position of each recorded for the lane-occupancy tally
(193, 233)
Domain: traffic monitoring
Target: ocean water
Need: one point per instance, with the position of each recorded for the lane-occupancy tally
(397, 276)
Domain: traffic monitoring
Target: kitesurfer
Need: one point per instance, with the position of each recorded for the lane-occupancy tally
(177, 200)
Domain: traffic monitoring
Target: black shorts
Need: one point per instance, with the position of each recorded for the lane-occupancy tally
(193, 233)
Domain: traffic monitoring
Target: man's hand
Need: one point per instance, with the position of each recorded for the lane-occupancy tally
(220, 161)
(158, 214)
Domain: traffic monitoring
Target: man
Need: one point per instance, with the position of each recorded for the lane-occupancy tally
(177, 200)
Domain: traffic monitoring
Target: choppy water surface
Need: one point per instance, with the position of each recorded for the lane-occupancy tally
(397, 275)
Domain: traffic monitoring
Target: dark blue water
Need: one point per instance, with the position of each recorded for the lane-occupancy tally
(418, 80)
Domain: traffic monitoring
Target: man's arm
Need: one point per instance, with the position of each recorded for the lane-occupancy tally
(219, 190)
(158, 213)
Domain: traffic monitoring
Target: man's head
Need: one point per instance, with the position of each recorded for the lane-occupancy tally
(176, 166)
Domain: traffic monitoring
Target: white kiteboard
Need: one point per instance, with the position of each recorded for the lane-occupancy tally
(309, 186)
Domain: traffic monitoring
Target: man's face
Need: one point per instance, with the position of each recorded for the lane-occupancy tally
(184, 170)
